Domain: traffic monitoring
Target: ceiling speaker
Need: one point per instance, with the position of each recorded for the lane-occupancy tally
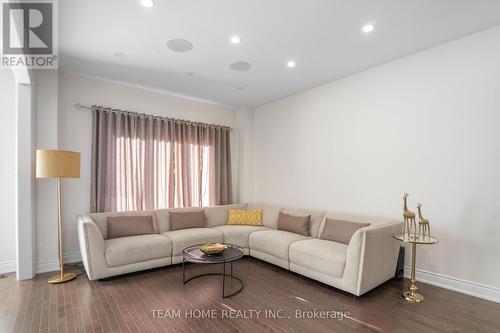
(179, 45)
(240, 66)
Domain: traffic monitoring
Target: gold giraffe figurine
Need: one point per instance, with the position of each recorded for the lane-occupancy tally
(409, 216)
(423, 223)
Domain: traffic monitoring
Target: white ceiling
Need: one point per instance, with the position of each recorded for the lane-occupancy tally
(322, 36)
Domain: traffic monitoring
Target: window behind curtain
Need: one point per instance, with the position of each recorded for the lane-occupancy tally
(145, 162)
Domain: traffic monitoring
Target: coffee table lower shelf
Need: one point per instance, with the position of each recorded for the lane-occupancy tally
(223, 275)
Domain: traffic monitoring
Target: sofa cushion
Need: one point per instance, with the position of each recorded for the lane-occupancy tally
(270, 214)
(133, 249)
(372, 220)
(273, 242)
(316, 218)
(124, 226)
(216, 215)
(320, 255)
(238, 234)
(101, 219)
(187, 220)
(187, 237)
(296, 224)
(340, 231)
(245, 217)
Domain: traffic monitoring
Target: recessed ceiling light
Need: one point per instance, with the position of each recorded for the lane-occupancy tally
(367, 28)
(240, 66)
(120, 54)
(290, 64)
(179, 45)
(235, 40)
(147, 3)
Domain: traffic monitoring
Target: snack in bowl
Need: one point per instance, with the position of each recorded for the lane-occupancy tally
(213, 248)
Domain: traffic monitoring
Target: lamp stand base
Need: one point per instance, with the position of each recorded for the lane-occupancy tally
(412, 297)
(65, 278)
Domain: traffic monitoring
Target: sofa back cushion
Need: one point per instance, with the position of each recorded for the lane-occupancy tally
(101, 219)
(357, 218)
(340, 231)
(216, 215)
(295, 224)
(245, 217)
(316, 218)
(187, 220)
(124, 226)
(270, 214)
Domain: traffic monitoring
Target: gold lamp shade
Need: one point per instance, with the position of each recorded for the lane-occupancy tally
(57, 164)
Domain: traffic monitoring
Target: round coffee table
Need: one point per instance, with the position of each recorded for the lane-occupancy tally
(194, 255)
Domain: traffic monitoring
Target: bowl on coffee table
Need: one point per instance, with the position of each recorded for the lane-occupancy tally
(213, 248)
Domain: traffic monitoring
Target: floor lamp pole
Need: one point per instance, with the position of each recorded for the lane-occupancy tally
(62, 277)
(59, 227)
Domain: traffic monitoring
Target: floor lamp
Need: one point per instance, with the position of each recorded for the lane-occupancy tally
(58, 164)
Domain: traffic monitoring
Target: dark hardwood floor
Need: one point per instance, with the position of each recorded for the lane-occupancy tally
(126, 304)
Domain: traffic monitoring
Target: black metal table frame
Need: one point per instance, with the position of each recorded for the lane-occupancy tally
(223, 274)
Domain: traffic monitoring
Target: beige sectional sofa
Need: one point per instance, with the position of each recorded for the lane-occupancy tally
(367, 261)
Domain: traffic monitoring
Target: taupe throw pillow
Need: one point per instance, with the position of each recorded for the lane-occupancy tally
(186, 220)
(296, 224)
(123, 226)
(340, 231)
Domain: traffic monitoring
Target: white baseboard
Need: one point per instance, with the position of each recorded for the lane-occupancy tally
(459, 285)
(53, 265)
(8, 266)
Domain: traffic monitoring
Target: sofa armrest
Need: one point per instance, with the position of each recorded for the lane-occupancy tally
(92, 247)
(372, 256)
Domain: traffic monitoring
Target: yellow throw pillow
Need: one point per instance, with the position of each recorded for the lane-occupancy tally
(248, 217)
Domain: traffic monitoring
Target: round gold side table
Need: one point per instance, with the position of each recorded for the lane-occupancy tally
(412, 296)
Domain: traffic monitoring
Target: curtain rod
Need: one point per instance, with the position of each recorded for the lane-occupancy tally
(81, 106)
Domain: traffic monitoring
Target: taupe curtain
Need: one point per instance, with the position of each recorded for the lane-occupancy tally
(145, 162)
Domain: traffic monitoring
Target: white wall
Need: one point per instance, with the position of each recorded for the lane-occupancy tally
(7, 171)
(245, 120)
(70, 129)
(427, 124)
